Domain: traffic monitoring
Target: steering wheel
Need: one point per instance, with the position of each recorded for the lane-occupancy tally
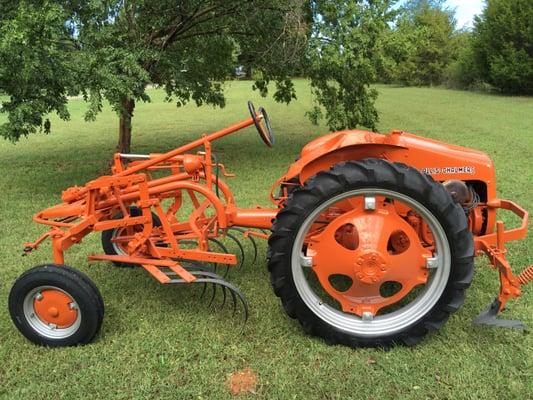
(262, 124)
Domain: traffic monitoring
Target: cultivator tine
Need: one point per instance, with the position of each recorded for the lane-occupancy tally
(235, 306)
(193, 267)
(223, 249)
(223, 297)
(204, 289)
(252, 240)
(213, 295)
(239, 245)
(207, 277)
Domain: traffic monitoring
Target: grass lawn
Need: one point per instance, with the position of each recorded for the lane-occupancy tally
(164, 342)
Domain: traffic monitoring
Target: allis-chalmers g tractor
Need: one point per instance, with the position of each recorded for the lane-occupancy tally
(372, 237)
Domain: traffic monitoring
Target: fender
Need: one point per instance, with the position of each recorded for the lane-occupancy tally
(440, 160)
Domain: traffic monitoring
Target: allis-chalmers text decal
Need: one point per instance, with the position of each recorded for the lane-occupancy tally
(449, 170)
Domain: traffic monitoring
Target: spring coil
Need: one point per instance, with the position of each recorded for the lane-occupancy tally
(526, 276)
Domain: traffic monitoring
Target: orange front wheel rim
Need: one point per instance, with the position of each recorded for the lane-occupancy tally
(52, 312)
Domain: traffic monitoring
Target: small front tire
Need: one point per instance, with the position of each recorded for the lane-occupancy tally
(55, 305)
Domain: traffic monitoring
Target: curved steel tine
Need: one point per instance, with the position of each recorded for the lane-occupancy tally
(234, 298)
(205, 274)
(201, 273)
(224, 296)
(224, 250)
(211, 275)
(254, 245)
(207, 277)
(240, 295)
(204, 289)
(213, 295)
(239, 245)
(250, 237)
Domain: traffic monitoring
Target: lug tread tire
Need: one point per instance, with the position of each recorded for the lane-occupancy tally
(380, 173)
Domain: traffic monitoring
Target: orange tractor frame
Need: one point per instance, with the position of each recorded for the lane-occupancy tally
(372, 236)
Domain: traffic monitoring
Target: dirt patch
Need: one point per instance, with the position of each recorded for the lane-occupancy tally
(243, 381)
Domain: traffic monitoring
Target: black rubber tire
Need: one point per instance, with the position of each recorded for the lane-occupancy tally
(78, 285)
(106, 237)
(355, 175)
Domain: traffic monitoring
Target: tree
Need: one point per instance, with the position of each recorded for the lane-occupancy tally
(461, 73)
(346, 51)
(502, 45)
(113, 49)
(427, 30)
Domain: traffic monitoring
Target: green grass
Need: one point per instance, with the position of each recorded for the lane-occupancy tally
(164, 342)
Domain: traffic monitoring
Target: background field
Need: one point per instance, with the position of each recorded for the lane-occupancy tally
(164, 342)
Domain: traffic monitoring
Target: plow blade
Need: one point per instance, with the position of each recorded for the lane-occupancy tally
(488, 317)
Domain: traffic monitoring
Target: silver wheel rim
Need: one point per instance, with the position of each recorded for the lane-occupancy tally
(395, 321)
(119, 251)
(41, 327)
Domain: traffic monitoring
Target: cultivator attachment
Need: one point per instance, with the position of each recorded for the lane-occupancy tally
(167, 275)
(493, 245)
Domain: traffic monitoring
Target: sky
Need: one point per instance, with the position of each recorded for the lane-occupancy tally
(465, 11)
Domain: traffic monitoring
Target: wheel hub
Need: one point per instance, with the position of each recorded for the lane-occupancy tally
(370, 267)
(55, 308)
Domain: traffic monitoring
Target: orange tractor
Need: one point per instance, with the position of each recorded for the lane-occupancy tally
(372, 237)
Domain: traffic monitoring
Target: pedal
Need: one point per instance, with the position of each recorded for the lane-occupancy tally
(27, 250)
(488, 317)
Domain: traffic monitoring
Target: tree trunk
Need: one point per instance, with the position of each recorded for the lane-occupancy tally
(124, 127)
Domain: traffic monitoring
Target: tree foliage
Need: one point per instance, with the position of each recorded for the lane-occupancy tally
(345, 53)
(502, 46)
(35, 69)
(424, 35)
(111, 50)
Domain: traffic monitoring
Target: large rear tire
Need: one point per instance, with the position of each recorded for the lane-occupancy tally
(435, 280)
